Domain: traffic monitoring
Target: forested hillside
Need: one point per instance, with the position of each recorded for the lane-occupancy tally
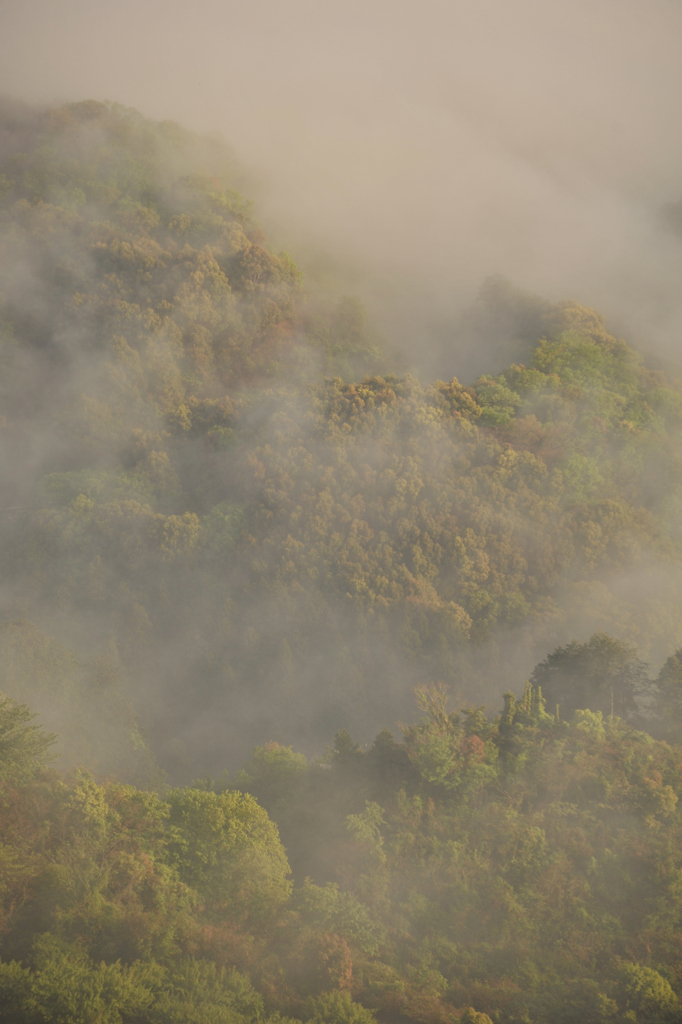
(509, 869)
(233, 528)
(225, 519)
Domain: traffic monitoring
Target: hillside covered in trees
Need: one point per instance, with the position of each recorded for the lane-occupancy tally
(225, 519)
(510, 869)
(233, 527)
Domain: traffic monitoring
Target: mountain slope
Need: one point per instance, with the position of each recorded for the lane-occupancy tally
(226, 515)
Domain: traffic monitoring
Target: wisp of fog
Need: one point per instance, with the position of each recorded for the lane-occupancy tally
(209, 521)
(410, 150)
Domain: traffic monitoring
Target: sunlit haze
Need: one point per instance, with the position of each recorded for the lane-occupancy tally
(410, 150)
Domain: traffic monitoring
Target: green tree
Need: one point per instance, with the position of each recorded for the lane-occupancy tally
(644, 991)
(668, 696)
(24, 748)
(603, 674)
(225, 846)
(336, 1008)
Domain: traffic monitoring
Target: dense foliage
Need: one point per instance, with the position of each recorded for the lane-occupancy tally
(516, 869)
(218, 496)
(228, 521)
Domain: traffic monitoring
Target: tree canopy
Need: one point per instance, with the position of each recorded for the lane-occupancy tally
(228, 496)
(480, 868)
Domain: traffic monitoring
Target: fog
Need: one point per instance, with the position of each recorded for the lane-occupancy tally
(406, 151)
(403, 154)
(247, 513)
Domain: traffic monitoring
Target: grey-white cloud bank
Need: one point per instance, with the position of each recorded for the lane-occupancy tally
(419, 147)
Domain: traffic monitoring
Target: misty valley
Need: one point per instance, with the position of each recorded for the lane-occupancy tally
(329, 692)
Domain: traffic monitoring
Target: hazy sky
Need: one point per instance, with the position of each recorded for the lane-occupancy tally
(429, 144)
